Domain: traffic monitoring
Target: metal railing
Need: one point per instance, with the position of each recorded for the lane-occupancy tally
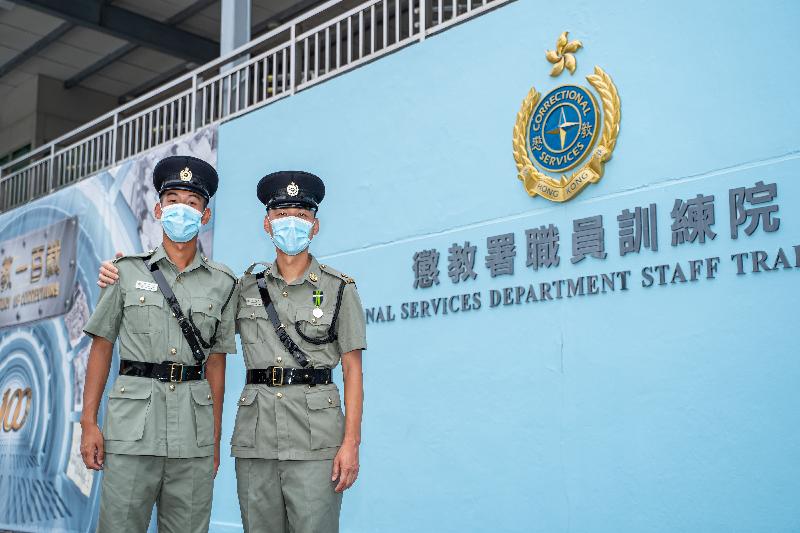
(333, 38)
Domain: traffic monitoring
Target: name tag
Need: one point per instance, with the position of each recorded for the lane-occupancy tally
(254, 302)
(147, 286)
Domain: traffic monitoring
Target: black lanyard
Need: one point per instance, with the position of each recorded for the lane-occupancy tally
(280, 329)
(189, 330)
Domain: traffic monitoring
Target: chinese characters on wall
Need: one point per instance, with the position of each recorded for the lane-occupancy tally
(692, 222)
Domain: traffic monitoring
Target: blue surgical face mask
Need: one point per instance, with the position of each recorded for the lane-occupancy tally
(292, 235)
(180, 222)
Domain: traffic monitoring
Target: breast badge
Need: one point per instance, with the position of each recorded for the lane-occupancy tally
(563, 139)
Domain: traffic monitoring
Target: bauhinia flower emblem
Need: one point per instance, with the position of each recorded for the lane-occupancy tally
(562, 56)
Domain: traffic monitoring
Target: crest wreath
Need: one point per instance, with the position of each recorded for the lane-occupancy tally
(591, 171)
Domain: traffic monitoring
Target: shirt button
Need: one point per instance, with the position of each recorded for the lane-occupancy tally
(210, 306)
(209, 397)
(279, 395)
(173, 351)
(242, 399)
(141, 299)
(171, 386)
(285, 294)
(252, 315)
(313, 320)
(122, 389)
(330, 401)
(279, 360)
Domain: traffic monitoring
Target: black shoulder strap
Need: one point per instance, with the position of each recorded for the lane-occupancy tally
(187, 328)
(280, 329)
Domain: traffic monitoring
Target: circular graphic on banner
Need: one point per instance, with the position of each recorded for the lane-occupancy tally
(43, 356)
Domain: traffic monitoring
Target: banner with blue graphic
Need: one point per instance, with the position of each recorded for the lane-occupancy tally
(50, 251)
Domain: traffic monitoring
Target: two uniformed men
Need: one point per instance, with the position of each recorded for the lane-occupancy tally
(173, 314)
(297, 319)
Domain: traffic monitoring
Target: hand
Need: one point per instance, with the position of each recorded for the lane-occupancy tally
(216, 458)
(345, 467)
(109, 274)
(92, 447)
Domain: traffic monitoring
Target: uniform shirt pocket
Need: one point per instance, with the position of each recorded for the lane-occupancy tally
(325, 418)
(252, 322)
(203, 413)
(244, 430)
(142, 312)
(128, 406)
(313, 327)
(206, 314)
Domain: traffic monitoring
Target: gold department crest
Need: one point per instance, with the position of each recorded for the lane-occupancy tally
(563, 139)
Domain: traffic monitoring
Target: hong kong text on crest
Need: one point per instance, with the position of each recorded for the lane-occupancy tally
(563, 139)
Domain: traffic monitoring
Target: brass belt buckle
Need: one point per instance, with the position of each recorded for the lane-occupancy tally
(172, 367)
(276, 382)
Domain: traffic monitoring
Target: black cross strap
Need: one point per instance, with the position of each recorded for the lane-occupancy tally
(189, 330)
(280, 328)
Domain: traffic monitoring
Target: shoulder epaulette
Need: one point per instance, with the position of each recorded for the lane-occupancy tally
(267, 266)
(221, 267)
(140, 255)
(335, 273)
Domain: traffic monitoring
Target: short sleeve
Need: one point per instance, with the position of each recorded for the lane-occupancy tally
(226, 333)
(107, 317)
(351, 328)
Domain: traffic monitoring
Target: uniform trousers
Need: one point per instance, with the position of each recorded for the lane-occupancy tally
(287, 496)
(181, 488)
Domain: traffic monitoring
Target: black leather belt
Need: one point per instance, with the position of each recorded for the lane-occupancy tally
(278, 376)
(166, 371)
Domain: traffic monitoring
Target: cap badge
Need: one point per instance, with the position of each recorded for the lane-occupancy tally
(292, 189)
(186, 174)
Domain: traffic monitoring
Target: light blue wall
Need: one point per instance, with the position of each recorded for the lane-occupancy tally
(669, 408)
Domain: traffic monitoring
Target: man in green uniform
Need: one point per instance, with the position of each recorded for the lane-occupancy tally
(173, 313)
(295, 451)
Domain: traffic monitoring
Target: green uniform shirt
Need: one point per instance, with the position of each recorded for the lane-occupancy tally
(295, 421)
(146, 416)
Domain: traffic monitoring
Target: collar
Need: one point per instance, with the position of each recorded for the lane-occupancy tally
(199, 260)
(312, 274)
